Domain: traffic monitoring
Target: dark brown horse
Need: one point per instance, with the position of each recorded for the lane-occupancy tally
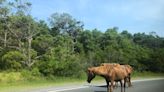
(110, 74)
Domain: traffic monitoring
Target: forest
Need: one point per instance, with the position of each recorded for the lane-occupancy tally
(62, 47)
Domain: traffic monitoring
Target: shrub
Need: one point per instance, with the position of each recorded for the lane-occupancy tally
(12, 60)
(10, 76)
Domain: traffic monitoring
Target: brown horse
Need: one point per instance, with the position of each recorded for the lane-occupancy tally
(111, 65)
(110, 74)
(127, 68)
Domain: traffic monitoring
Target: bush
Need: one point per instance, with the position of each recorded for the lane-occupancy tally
(12, 60)
(34, 74)
(10, 77)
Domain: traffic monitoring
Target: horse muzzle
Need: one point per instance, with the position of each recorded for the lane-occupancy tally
(88, 81)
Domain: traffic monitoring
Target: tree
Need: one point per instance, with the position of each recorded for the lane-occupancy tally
(23, 29)
(126, 34)
(86, 40)
(21, 7)
(156, 63)
(43, 43)
(151, 41)
(110, 37)
(66, 25)
(4, 21)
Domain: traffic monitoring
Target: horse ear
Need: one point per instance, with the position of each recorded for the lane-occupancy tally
(87, 70)
(102, 64)
(90, 70)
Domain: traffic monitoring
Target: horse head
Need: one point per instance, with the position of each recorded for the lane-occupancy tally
(90, 74)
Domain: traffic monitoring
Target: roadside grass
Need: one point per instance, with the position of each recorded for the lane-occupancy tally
(146, 74)
(14, 82)
(35, 84)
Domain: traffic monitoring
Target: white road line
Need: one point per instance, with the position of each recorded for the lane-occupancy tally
(59, 90)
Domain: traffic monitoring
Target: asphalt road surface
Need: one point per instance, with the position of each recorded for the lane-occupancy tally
(138, 86)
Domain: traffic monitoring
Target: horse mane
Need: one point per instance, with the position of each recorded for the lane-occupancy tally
(104, 68)
(99, 70)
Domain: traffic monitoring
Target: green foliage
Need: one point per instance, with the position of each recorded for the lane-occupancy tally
(65, 48)
(42, 43)
(59, 62)
(12, 60)
(10, 77)
(156, 62)
(65, 24)
(33, 74)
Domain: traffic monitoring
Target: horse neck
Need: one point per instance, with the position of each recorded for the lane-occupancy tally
(99, 71)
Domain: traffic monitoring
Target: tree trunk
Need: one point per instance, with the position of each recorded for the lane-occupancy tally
(29, 52)
(5, 40)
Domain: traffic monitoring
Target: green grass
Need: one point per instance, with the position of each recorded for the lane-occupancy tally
(145, 74)
(9, 82)
(28, 85)
(14, 82)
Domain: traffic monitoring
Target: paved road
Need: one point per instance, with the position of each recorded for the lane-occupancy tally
(138, 86)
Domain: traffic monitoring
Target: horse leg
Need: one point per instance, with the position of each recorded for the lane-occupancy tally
(130, 84)
(111, 86)
(116, 84)
(107, 82)
(121, 84)
(125, 79)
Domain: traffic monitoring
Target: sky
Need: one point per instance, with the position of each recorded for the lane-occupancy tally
(132, 15)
